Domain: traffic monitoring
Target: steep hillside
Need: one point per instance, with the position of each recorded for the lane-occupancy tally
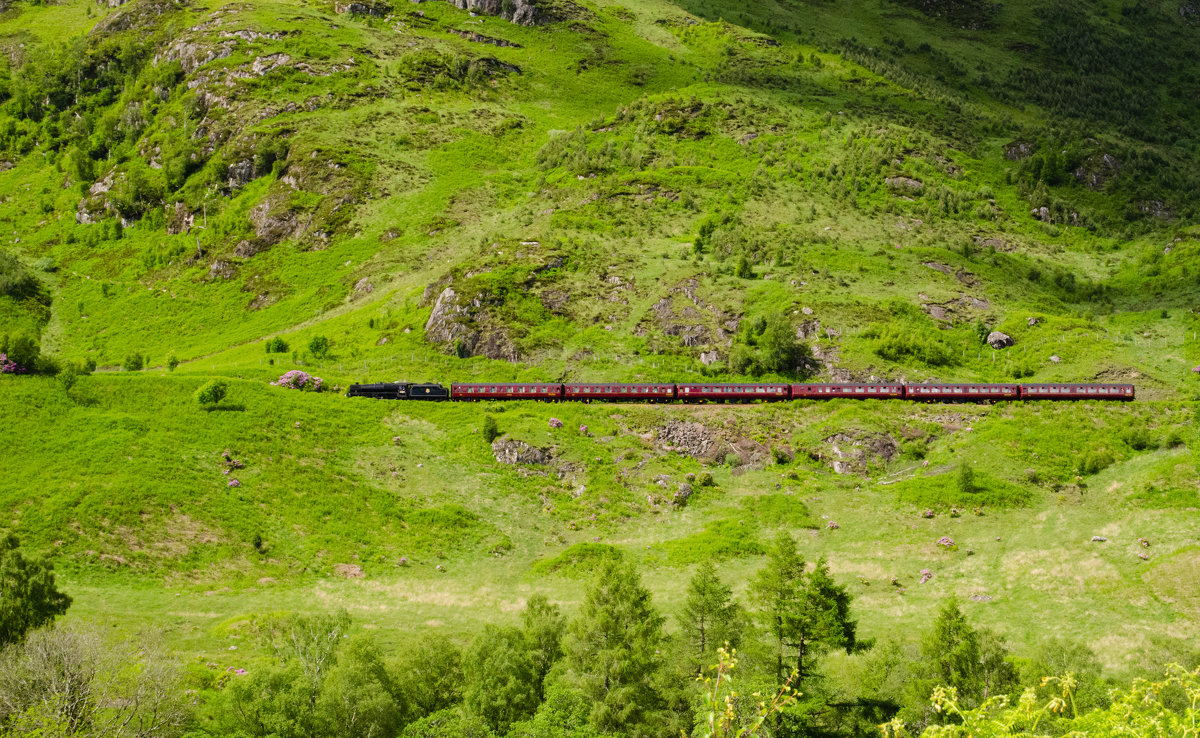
(602, 189)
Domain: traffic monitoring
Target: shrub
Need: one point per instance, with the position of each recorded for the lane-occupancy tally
(299, 380)
(319, 347)
(172, 361)
(277, 345)
(211, 394)
(134, 362)
(15, 279)
(490, 430)
(1095, 461)
(966, 479)
(21, 354)
(1139, 439)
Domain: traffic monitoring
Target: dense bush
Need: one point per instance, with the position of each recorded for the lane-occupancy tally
(277, 345)
(15, 280)
(211, 394)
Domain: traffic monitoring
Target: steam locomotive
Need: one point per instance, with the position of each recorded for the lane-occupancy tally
(738, 393)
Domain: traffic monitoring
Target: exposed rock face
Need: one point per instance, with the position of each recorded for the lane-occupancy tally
(852, 453)
(241, 173)
(273, 221)
(464, 326)
(998, 340)
(691, 439)
(905, 184)
(376, 9)
(696, 323)
(1033, 321)
(220, 268)
(1097, 170)
(523, 12)
(95, 207)
(179, 219)
(479, 38)
(363, 286)
(1018, 150)
(510, 451)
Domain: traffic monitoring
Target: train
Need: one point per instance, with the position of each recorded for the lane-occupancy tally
(705, 392)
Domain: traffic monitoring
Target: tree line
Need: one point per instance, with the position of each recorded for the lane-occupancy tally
(730, 668)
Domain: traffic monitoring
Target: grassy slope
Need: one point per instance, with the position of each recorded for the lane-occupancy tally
(123, 476)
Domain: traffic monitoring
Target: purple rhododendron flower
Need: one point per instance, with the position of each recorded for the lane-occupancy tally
(234, 483)
(297, 379)
(555, 423)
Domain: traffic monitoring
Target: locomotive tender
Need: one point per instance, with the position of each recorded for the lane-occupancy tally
(741, 393)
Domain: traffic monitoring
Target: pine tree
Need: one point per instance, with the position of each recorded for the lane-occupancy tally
(807, 613)
(710, 617)
(956, 654)
(612, 651)
(28, 596)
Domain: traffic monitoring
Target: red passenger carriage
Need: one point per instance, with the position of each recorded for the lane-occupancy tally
(732, 392)
(1077, 392)
(499, 391)
(619, 392)
(856, 391)
(962, 392)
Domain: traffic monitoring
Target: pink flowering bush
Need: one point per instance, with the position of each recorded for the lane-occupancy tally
(8, 366)
(234, 483)
(946, 541)
(926, 575)
(299, 380)
(927, 514)
(832, 525)
(555, 423)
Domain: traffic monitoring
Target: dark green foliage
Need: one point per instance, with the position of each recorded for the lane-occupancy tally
(269, 152)
(1094, 461)
(501, 677)
(806, 613)
(1139, 439)
(212, 392)
(134, 362)
(277, 345)
(770, 346)
(15, 280)
(611, 652)
(22, 350)
(319, 347)
(543, 627)
(432, 672)
(172, 361)
(490, 430)
(29, 597)
(965, 479)
(956, 654)
(743, 270)
(1057, 657)
(359, 697)
(710, 618)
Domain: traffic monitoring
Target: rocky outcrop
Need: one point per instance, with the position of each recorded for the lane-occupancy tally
(376, 9)
(1097, 170)
(479, 38)
(852, 453)
(998, 340)
(905, 184)
(690, 439)
(95, 207)
(1018, 150)
(179, 219)
(510, 451)
(273, 221)
(462, 326)
(522, 12)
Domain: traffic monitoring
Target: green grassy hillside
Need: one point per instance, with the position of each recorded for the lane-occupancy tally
(624, 189)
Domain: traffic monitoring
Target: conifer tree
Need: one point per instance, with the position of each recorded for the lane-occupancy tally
(806, 613)
(710, 617)
(612, 651)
